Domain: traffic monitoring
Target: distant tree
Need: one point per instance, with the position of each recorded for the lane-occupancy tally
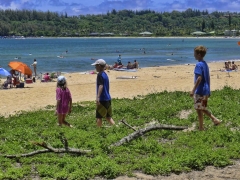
(38, 23)
(212, 25)
(203, 25)
(114, 12)
(229, 21)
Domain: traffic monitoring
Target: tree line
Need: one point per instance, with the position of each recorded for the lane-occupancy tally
(32, 23)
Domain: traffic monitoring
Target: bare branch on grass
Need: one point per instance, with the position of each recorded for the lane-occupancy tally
(143, 131)
(49, 148)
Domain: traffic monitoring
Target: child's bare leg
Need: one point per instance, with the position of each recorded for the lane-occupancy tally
(99, 122)
(213, 118)
(60, 119)
(200, 119)
(110, 120)
(65, 122)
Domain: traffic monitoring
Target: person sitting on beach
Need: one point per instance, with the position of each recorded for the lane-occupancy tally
(226, 66)
(15, 78)
(117, 66)
(7, 82)
(135, 64)
(229, 64)
(234, 66)
(129, 65)
(108, 67)
(46, 77)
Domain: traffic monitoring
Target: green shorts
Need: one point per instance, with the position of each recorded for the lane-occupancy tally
(104, 110)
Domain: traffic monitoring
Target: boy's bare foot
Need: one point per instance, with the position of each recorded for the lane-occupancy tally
(217, 122)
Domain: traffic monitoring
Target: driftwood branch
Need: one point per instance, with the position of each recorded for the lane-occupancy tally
(49, 148)
(124, 122)
(64, 141)
(143, 131)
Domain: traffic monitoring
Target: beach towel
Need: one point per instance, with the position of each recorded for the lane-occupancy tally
(126, 77)
(125, 69)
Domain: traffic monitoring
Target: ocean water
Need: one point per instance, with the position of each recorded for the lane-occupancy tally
(78, 52)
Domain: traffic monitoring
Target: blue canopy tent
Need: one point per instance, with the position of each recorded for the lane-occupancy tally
(4, 72)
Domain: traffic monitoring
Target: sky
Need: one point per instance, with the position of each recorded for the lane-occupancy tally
(83, 7)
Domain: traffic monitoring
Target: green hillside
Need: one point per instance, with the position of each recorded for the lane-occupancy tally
(116, 23)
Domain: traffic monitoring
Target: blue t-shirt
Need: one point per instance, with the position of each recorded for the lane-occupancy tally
(102, 79)
(119, 60)
(201, 69)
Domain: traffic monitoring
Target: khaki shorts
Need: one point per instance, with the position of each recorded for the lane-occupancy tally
(104, 110)
(200, 103)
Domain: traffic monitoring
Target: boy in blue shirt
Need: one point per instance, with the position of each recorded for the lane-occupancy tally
(201, 89)
(103, 99)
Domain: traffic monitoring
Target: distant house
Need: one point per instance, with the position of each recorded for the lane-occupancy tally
(124, 34)
(198, 33)
(230, 32)
(107, 34)
(146, 33)
(212, 32)
(93, 34)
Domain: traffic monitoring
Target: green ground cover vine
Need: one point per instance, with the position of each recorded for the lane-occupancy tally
(157, 152)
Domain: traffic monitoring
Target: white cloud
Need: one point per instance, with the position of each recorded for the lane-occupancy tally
(24, 1)
(77, 7)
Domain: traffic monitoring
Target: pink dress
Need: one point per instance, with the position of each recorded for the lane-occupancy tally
(64, 96)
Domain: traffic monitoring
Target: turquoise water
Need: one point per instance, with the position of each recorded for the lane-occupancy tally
(158, 51)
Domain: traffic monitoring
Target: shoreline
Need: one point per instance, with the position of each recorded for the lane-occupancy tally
(144, 67)
(122, 85)
(170, 37)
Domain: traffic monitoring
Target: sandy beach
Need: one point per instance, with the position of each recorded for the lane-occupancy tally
(148, 80)
(82, 86)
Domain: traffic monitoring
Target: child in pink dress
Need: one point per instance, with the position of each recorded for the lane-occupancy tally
(64, 101)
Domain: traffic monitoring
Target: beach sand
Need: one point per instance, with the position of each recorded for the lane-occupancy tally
(83, 86)
(148, 80)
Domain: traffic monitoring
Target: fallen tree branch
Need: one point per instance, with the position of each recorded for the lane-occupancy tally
(124, 122)
(143, 131)
(64, 141)
(49, 148)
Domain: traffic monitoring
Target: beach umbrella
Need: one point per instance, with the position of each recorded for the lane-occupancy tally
(21, 67)
(4, 72)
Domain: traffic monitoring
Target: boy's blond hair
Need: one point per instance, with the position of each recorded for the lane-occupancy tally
(201, 50)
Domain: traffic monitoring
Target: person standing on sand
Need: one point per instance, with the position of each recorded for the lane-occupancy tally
(201, 89)
(103, 98)
(34, 64)
(64, 101)
(119, 59)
